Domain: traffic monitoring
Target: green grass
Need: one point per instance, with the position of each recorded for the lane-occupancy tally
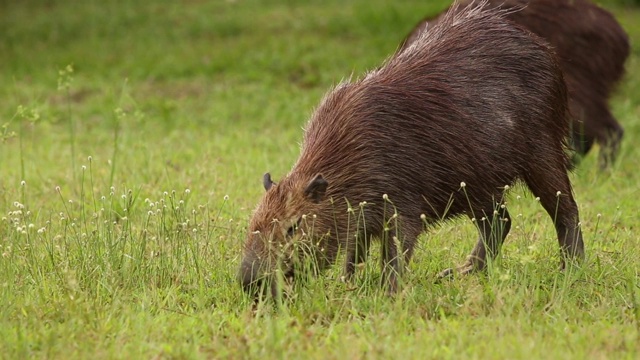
(141, 167)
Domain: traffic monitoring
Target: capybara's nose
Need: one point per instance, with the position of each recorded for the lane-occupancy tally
(249, 275)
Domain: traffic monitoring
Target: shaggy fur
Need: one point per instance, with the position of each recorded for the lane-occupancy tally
(474, 100)
(592, 48)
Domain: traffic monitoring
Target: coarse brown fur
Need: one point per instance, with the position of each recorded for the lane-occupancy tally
(476, 100)
(592, 48)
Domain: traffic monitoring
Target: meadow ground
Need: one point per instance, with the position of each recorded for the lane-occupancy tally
(134, 138)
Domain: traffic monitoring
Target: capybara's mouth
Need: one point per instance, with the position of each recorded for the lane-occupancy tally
(288, 275)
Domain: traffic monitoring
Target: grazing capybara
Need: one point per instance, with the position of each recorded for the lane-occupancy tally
(592, 48)
(438, 131)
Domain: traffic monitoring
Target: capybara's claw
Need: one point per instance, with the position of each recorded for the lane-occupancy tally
(446, 274)
(465, 269)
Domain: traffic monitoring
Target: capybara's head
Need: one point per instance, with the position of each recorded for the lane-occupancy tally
(282, 231)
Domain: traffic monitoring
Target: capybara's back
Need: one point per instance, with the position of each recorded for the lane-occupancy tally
(440, 130)
(592, 48)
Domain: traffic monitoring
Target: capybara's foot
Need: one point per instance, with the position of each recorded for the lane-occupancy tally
(467, 268)
(571, 262)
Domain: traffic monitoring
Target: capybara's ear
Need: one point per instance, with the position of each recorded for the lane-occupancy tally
(267, 182)
(316, 189)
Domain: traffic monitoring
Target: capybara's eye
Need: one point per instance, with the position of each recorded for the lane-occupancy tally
(291, 231)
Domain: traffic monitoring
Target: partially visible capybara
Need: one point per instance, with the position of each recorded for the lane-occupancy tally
(440, 130)
(592, 48)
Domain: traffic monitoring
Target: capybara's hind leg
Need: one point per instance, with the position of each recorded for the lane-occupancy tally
(551, 185)
(610, 145)
(493, 229)
(581, 143)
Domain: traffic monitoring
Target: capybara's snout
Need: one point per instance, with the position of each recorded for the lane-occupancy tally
(249, 275)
